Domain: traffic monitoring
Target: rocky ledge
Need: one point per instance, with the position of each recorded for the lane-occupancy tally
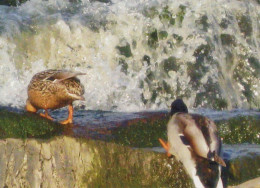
(69, 162)
(35, 152)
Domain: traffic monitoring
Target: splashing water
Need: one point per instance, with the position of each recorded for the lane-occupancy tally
(137, 55)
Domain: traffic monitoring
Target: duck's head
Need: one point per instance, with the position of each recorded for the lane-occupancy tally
(178, 106)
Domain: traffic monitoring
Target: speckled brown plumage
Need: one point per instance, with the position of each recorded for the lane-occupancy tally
(52, 89)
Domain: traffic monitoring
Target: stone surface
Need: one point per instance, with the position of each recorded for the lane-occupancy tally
(70, 162)
(254, 183)
(42, 163)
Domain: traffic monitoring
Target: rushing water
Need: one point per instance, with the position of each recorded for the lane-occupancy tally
(138, 55)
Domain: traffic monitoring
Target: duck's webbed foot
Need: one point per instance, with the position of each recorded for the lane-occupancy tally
(165, 146)
(70, 116)
(46, 115)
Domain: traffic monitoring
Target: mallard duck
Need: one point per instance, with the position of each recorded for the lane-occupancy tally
(193, 139)
(53, 89)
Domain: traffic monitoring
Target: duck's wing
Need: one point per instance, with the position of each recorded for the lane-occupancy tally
(60, 75)
(201, 134)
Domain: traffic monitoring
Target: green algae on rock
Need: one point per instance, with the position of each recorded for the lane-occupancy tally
(144, 133)
(119, 166)
(12, 2)
(243, 129)
(26, 125)
(242, 168)
(71, 162)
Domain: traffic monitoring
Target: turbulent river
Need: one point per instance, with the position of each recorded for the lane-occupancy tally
(137, 55)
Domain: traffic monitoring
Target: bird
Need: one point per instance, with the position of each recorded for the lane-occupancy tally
(193, 139)
(53, 89)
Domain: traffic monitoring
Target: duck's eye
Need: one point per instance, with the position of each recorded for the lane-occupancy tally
(51, 78)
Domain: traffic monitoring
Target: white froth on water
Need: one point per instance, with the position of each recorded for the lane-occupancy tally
(86, 37)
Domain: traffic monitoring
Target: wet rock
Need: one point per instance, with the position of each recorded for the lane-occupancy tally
(227, 40)
(64, 161)
(26, 125)
(153, 38)
(125, 50)
(178, 38)
(242, 129)
(163, 35)
(245, 74)
(245, 25)
(254, 62)
(166, 17)
(203, 23)
(181, 13)
(147, 59)
(170, 64)
(124, 66)
(243, 163)
(12, 2)
(151, 12)
(224, 23)
(71, 162)
(254, 183)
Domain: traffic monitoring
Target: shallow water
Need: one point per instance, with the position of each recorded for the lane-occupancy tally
(229, 151)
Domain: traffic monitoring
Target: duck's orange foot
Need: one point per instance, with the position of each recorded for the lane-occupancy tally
(67, 121)
(165, 146)
(70, 117)
(46, 115)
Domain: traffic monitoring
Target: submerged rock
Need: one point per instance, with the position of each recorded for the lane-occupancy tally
(12, 2)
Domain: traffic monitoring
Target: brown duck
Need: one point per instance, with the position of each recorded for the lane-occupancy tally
(53, 89)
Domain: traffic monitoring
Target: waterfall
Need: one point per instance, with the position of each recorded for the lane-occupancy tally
(137, 55)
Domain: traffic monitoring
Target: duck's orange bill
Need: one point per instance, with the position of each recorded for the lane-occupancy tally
(165, 146)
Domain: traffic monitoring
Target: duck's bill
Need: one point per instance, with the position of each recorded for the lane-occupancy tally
(220, 161)
(165, 145)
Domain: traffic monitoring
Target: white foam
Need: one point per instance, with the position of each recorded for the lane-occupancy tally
(41, 35)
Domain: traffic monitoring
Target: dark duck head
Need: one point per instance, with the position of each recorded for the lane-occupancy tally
(193, 139)
(178, 106)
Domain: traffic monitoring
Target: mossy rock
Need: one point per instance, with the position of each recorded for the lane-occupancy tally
(178, 38)
(119, 166)
(27, 125)
(125, 50)
(245, 25)
(124, 65)
(242, 129)
(170, 64)
(227, 40)
(203, 23)
(166, 16)
(153, 39)
(180, 15)
(163, 35)
(147, 59)
(255, 64)
(151, 12)
(224, 23)
(145, 132)
(12, 2)
(242, 169)
(202, 51)
(246, 74)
